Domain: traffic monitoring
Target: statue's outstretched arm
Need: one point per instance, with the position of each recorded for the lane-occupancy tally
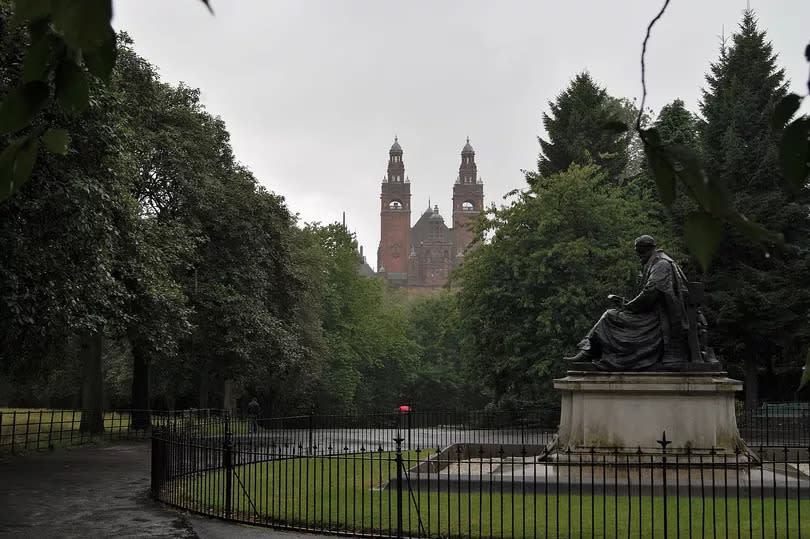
(644, 302)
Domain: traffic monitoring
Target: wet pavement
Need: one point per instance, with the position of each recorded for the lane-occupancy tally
(98, 491)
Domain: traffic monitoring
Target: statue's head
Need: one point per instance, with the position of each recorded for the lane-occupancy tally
(645, 247)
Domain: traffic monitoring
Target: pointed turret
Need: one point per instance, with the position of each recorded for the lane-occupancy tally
(396, 168)
(395, 219)
(468, 170)
(468, 199)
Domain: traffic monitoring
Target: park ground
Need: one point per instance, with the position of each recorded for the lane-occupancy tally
(97, 491)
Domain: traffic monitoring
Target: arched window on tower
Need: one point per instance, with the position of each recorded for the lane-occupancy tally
(467, 206)
(395, 205)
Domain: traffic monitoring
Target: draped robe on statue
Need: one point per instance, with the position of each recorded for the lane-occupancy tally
(650, 328)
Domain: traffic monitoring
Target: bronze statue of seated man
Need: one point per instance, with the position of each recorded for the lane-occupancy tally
(650, 329)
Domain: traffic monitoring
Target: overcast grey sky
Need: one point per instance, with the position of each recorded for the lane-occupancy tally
(313, 91)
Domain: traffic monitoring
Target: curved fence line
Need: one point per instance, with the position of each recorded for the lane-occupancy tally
(470, 475)
(36, 429)
(772, 424)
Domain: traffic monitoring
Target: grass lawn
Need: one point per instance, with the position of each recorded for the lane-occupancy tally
(343, 493)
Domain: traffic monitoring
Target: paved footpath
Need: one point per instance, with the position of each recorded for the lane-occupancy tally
(98, 491)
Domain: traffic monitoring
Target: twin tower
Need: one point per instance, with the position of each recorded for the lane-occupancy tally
(421, 257)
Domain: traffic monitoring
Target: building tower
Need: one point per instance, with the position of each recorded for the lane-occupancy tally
(468, 199)
(395, 220)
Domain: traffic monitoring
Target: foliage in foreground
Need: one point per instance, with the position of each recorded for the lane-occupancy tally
(70, 46)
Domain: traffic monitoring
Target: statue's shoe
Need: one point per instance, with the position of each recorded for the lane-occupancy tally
(580, 357)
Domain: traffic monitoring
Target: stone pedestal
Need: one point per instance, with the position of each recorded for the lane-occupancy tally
(630, 410)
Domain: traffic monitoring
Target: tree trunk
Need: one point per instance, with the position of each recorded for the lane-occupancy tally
(140, 387)
(90, 350)
(228, 398)
(170, 400)
(203, 390)
(751, 384)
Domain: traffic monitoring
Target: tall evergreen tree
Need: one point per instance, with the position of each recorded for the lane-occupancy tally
(576, 133)
(759, 302)
(677, 125)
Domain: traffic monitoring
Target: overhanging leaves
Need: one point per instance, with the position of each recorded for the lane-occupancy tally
(72, 90)
(753, 230)
(84, 24)
(7, 158)
(101, 60)
(702, 234)
(703, 230)
(38, 58)
(20, 106)
(617, 126)
(785, 110)
(664, 175)
(24, 163)
(16, 163)
(29, 10)
(56, 140)
(793, 152)
(689, 169)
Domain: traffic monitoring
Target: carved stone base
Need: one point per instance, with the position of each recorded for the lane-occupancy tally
(684, 366)
(633, 410)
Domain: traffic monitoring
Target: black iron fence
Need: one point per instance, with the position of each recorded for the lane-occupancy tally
(38, 429)
(470, 475)
(776, 423)
(772, 424)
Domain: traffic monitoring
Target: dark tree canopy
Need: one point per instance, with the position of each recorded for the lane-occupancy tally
(576, 134)
(531, 293)
(677, 125)
(759, 300)
(147, 267)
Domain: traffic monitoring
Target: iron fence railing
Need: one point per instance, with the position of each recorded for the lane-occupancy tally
(470, 475)
(776, 423)
(38, 429)
(772, 424)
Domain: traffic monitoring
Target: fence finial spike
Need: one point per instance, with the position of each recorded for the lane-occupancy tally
(663, 441)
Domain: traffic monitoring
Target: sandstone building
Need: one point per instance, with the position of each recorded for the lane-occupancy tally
(421, 257)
